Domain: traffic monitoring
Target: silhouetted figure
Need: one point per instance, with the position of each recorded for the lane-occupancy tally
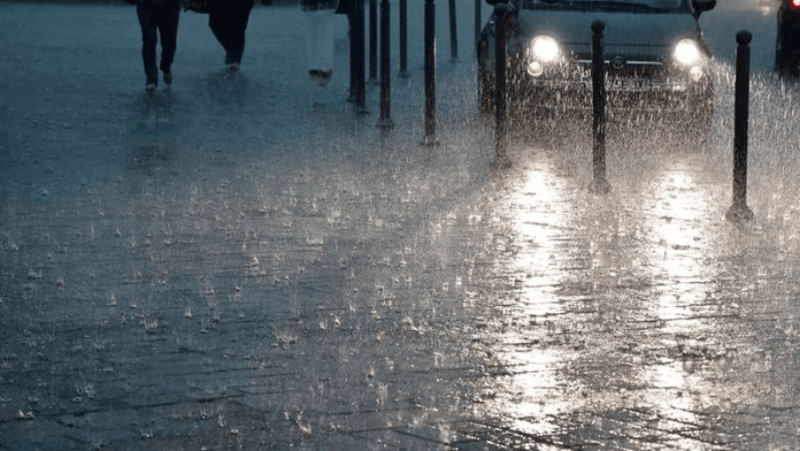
(787, 57)
(158, 17)
(228, 21)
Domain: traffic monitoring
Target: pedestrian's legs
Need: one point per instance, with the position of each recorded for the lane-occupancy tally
(319, 39)
(149, 40)
(219, 24)
(240, 16)
(168, 27)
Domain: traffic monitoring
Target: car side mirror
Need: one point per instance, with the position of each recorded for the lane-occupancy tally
(701, 6)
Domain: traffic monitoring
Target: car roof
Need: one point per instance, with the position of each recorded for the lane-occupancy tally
(657, 6)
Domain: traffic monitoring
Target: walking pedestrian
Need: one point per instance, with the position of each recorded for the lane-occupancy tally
(228, 21)
(158, 17)
(319, 38)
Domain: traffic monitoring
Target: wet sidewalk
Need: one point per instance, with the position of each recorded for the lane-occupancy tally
(239, 262)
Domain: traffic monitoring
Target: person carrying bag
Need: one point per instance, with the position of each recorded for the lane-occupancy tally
(198, 6)
(228, 21)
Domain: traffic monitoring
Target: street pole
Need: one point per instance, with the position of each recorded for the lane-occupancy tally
(477, 24)
(357, 57)
(404, 39)
(453, 33)
(599, 184)
(430, 75)
(385, 121)
(739, 211)
(373, 42)
(501, 115)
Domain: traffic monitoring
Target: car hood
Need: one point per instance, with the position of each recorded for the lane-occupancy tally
(634, 34)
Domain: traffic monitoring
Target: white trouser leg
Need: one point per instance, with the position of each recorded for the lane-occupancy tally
(319, 39)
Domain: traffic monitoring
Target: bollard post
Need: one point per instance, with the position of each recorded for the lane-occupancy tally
(453, 33)
(739, 211)
(373, 42)
(357, 57)
(599, 184)
(503, 14)
(404, 39)
(385, 121)
(477, 25)
(430, 75)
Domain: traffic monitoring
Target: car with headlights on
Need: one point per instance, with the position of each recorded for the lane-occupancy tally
(657, 65)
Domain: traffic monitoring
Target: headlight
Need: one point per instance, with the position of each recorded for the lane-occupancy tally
(686, 52)
(545, 48)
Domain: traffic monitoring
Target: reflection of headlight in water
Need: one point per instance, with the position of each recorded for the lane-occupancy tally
(535, 69)
(696, 73)
(686, 52)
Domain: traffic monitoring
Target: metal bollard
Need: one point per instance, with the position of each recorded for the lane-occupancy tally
(373, 41)
(357, 58)
(739, 211)
(430, 74)
(385, 121)
(477, 25)
(404, 39)
(599, 184)
(453, 33)
(503, 14)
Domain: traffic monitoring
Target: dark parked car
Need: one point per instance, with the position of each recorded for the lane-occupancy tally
(657, 63)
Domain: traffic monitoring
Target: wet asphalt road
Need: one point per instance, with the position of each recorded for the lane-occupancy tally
(239, 262)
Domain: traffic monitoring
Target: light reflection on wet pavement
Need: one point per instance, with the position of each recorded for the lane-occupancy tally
(239, 263)
(624, 321)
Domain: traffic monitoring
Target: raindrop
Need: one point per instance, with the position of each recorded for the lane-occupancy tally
(24, 415)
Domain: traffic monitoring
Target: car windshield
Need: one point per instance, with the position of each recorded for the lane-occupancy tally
(644, 6)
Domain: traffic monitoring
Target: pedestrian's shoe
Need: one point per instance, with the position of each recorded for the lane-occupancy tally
(168, 78)
(150, 87)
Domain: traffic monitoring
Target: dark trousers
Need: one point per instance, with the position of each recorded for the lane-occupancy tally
(228, 22)
(156, 20)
